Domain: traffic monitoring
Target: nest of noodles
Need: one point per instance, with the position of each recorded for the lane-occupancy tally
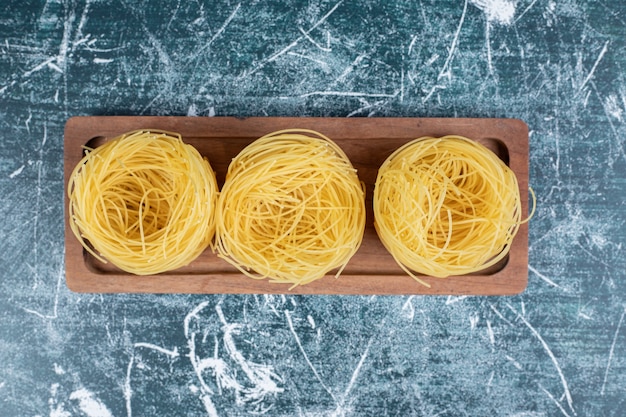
(292, 208)
(446, 206)
(144, 201)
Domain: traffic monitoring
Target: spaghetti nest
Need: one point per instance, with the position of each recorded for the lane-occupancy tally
(145, 201)
(291, 208)
(446, 206)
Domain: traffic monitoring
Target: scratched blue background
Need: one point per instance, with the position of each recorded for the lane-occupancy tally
(558, 349)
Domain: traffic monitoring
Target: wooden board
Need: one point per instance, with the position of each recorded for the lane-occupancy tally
(367, 142)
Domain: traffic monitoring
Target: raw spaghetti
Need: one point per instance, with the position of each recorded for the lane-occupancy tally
(446, 206)
(144, 201)
(291, 209)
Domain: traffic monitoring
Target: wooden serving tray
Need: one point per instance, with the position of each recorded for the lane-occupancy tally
(367, 142)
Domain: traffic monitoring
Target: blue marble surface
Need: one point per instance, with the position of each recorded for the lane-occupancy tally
(558, 349)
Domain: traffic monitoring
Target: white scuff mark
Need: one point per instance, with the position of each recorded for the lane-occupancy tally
(347, 94)
(611, 352)
(452, 300)
(57, 409)
(322, 64)
(402, 84)
(545, 278)
(432, 60)
(211, 111)
(191, 344)
(209, 407)
(58, 369)
(445, 70)
(555, 401)
(262, 377)
(432, 91)
(495, 310)
(577, 228)
(311, 321)
(11, 84)
(39, 67)
(367, 106)
(37, 208)
(219, 31)
(250, 381)
(90, 404)
(102, 60)
(310, 39)
(499, 11)
(619, 151)
(65, 41)
(272, 302)
(582, 312)
(170, 70)
(546, 347)
(271, 58)
(350, 68)
(408, 306)
(530, 6)
(276, 55)
(127, 390)
(225, 24)
(306, 357)
(27, 121)
(473, 319)
(412, 44)
(595, 65)
(528, 414)
(514, 362)
(488, 42)
(599, 241)
(89, 47)
(492, 338)
(224, 376)
(55, 306)
(164, 57)
(57, 63)
(17, 172)
(591, 255)
(192, 111)
(171, 353)
(586, 99)
(613, 108)
(198, 20)
(81, 25)
(55, 67)
(340, 410)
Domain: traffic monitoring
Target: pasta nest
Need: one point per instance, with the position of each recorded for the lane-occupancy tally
(446, 206)
(291, 209)
(144, 201)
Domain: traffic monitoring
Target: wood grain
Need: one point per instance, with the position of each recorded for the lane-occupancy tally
(367, 142)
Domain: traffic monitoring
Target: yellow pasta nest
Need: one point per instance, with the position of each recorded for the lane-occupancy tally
(144, 201)
(291, 209)
(446, 206)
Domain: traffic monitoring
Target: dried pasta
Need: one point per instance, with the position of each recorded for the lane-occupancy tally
(292, 208)
(446, 206)
(144, 201)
